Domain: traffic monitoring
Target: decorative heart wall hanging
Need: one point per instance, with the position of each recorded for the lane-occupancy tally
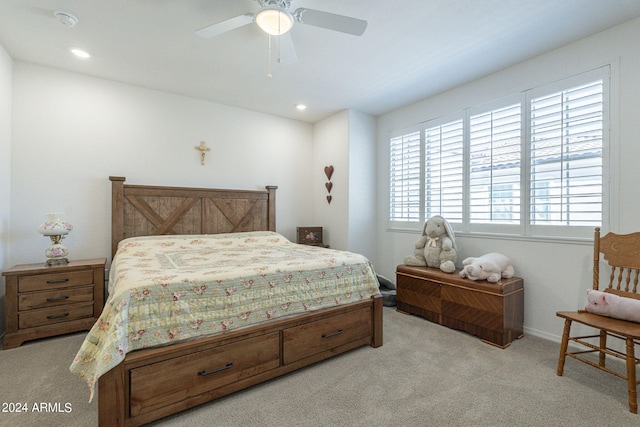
(329, 186)
(328, 170)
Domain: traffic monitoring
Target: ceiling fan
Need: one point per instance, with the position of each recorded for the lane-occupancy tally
(275, 19)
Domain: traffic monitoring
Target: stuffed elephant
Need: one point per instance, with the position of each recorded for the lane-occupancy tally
(437, 246)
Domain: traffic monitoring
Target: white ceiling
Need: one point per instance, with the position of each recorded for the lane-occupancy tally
(410, 50)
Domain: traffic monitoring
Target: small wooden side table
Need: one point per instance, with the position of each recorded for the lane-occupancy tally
(44, 301)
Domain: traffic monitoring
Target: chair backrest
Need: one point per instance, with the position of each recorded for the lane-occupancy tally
(622, 253)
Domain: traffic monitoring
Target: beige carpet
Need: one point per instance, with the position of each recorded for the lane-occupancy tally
(424, 375)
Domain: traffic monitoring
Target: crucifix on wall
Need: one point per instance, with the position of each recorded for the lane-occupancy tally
(203, 150)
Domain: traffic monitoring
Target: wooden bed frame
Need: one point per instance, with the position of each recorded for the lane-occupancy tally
(154, 383)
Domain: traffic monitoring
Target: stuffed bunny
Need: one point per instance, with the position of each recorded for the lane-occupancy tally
(437, 246)
(491, 267)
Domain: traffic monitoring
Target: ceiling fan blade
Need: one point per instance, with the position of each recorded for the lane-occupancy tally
(224, 26)
(287, 49)
(331, 21)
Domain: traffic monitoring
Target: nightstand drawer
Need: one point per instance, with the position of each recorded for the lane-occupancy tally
(45, 282)
(49, 316)
(30, 301)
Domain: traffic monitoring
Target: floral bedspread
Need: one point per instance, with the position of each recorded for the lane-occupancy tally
(164, 289)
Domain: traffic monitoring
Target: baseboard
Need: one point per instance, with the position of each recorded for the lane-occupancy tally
(544, 335)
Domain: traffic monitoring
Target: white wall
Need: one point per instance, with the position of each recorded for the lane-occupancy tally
(71, 132)
(362, 187)
(331, 148)
(6, 73)
(556, 274)
(346, 141)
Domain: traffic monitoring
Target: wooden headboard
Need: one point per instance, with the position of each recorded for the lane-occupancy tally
(143, 210)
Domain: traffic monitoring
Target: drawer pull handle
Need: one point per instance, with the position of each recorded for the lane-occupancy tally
(58, 316)
(57, 299)
(58, 281)
(338, 332)
(213, 371)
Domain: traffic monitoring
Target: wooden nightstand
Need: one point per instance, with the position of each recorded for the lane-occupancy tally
(46, 301)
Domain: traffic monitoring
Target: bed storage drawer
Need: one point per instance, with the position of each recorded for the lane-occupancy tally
(315, 337)
(180, 378)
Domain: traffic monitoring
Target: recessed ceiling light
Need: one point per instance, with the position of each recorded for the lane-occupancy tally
(301, 107)
(66, 18)
(80, 53)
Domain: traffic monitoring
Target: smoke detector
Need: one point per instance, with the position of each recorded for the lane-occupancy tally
(66, 18)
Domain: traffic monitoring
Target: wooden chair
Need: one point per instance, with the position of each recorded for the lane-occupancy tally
(622, 253)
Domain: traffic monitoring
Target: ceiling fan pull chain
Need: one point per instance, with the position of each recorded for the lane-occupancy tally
(269, 59)
(279, 50)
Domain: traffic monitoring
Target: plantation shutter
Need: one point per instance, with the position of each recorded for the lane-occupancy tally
(566, 156)
(443, 171)
(495, 166)
(404, 177)
(534, 163)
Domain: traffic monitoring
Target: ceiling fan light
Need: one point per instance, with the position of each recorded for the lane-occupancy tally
(274, 21)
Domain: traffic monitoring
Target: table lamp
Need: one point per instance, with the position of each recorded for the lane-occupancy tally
(56, 228)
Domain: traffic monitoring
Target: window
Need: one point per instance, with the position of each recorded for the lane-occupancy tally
(566, 156)
(531, 164)
(404, 175)
(494, 173)
(443, 167)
